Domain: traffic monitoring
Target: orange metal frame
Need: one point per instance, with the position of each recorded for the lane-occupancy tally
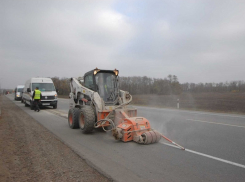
(133, 126)
(103, 115)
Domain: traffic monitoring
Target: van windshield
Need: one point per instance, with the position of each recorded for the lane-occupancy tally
(20, 90)
(43, 87)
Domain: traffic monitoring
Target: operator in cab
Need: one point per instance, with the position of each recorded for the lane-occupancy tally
(37, 95)
(105, 84)
(102, 87)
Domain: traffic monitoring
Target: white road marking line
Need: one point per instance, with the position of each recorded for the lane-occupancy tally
(216, 123)
(208, 156)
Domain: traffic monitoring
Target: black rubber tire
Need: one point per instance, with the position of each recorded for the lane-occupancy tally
(31, 105)
(73, 118)
(86, 119)
(55, 106)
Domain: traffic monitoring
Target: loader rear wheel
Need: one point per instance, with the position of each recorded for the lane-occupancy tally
(86, 119)
(73, 118)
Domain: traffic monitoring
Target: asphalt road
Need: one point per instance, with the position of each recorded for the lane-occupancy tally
(215, 146)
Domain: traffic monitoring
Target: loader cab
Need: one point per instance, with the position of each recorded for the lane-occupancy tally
(105, 82)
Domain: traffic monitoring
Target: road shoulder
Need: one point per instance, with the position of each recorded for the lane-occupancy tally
(29, 152)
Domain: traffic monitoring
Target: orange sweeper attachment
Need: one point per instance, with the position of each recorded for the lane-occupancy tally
(128, 127)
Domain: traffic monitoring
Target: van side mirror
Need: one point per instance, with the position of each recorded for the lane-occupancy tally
(57, 90)
(28, 90)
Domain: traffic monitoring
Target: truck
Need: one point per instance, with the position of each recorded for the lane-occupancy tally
(18, 92)
(47, 88)
(96, 101)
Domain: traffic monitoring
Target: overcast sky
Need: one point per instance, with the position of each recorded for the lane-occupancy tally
(197, 40)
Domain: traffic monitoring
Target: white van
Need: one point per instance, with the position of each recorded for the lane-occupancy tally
(18, 91)
(47, 88)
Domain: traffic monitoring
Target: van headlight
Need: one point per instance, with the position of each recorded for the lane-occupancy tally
(55, 96)
(17, 95)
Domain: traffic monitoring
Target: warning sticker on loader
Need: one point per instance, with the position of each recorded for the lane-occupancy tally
(142, 126)
(124, 125)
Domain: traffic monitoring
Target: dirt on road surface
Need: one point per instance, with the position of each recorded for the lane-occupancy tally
(29, 152)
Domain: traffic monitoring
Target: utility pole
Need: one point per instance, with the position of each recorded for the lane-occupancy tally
(0, 87)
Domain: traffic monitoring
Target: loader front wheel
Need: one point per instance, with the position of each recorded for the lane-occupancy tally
(73, 118)
(86, 119)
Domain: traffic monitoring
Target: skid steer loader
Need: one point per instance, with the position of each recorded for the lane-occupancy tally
(97, 102)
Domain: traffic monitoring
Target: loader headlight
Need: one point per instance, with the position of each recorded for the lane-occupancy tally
(116, 72)
(96, 70)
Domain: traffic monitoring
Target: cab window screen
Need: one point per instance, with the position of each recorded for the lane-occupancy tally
(88, 82)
